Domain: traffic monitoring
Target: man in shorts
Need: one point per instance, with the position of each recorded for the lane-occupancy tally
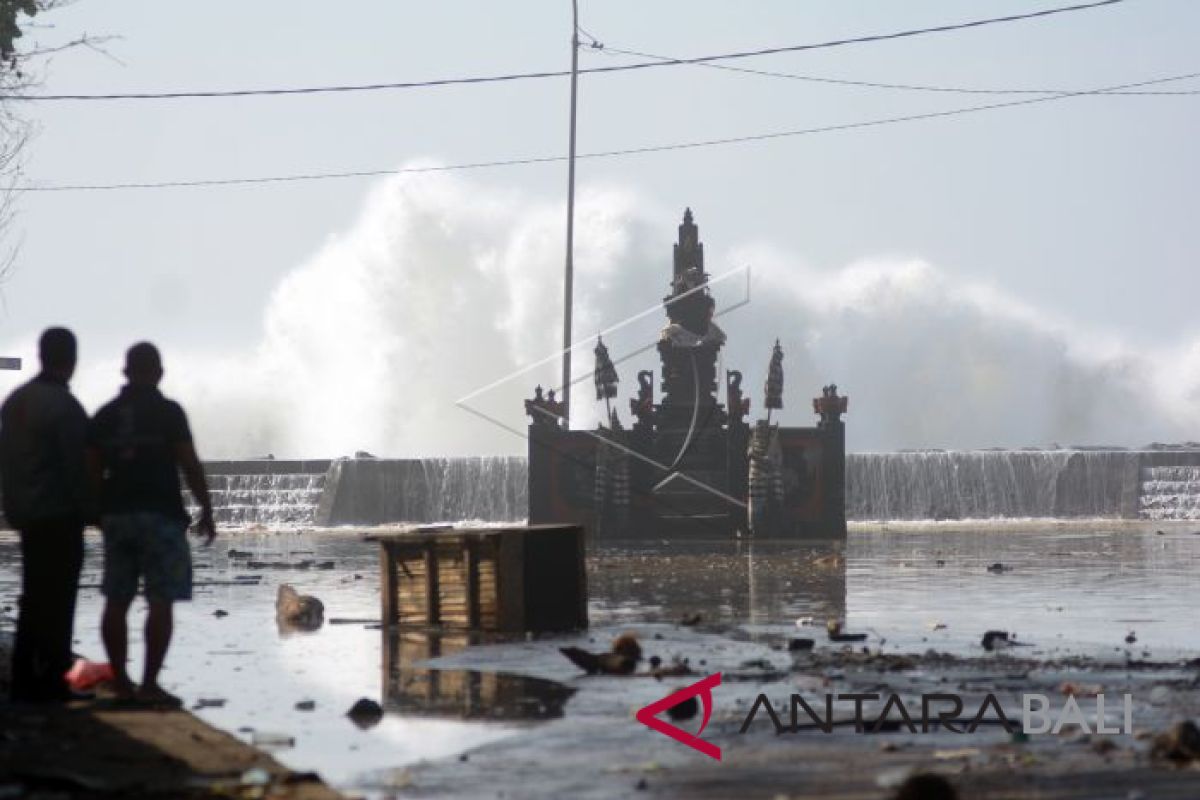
(137, 445)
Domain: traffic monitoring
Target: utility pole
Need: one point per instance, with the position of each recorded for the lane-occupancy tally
(569, 277)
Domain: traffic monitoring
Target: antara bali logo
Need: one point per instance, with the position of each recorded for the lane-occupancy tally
(648, 715)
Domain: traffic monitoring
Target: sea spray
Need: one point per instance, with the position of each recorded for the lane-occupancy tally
(444, 285)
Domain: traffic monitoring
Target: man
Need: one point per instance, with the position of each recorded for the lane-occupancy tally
(137, 444)
(42, 430)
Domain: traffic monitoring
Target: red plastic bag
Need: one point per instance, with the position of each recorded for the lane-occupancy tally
(85, 674)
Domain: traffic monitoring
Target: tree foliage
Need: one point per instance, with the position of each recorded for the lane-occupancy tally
(11, 12)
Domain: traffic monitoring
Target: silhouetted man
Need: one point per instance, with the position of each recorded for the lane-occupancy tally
(137, 444)
(42, 430)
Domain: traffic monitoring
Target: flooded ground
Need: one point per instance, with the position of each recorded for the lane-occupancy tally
(476, 720)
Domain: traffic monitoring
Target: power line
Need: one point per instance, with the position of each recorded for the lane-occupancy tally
(368, 87)
(604, 48)
(315, 176)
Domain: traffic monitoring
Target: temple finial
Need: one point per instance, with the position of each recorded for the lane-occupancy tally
(689, 253)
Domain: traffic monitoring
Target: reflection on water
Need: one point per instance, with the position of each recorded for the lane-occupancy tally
(755, 585)
(464, 694)
(1070, 590)
(1065, 591)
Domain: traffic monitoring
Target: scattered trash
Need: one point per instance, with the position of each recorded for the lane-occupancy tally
(365, 713)
(677, 668)
(240, 554)
(209, 702)
(926, 786)
(799, 645)
(685, 710)
(757, 663)
(834, 628)
(85, 674)
(255, 776)
(307, 563)
(831, 561)
(956, 753)
(937, 625)
(805, 622)
(622, 659)
(272, 739)
(997, 568)
(1000, 640)
(1181, 743)
(1131, 638)
(298, 611)
(220, 612)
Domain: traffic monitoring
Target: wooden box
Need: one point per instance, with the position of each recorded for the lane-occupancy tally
(512, 579)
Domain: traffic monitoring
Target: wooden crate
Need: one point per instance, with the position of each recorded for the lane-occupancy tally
(527, 578)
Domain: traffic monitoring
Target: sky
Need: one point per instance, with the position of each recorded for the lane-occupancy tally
(1059, 236)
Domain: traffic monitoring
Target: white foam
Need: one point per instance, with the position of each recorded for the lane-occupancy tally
(444, 284)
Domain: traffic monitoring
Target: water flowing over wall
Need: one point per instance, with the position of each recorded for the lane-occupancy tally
(264, 491)
(375, 491)
(991, 483)
(1170, 492)
(929, 485)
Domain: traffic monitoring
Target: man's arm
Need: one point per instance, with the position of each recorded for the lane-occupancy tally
(193, 473)
(71, 431)
(94, 466)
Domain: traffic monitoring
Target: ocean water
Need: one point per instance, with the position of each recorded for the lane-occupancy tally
(1065, 590)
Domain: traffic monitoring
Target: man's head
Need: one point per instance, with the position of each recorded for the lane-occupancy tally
(143, 365)
(57, 351)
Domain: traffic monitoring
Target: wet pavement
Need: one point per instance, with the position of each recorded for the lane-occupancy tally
(516, 717)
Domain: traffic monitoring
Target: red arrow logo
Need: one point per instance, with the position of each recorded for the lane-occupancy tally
(648, 715)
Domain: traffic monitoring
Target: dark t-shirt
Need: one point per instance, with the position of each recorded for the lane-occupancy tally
(136, 435)
(41, 453)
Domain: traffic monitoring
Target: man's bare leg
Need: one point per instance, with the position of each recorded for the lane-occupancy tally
(160, 624)
(115, 632)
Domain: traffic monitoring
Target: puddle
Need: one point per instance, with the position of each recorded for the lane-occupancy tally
(1064, 591)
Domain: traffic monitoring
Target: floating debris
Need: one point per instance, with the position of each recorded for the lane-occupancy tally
(272, 739)
(834, 628)
(622, 659)
(295, 611)
(365, 713)
(1000, 640)
(926, 786)
(685, 710)
(1180, 744)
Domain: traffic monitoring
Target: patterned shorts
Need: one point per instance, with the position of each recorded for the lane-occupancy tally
(149, 546)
